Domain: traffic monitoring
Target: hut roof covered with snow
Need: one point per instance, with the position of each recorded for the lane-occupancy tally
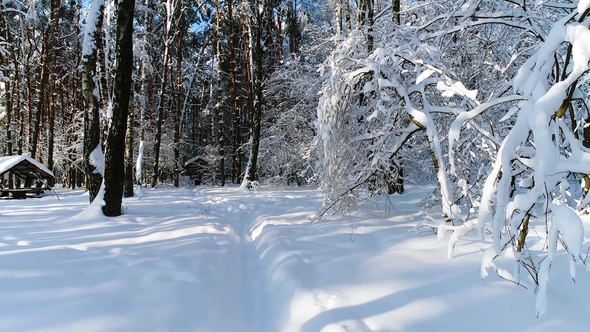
(25, 167)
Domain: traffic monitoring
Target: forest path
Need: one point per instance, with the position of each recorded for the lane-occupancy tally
(174, 261)
(177, 260)
(212, 259)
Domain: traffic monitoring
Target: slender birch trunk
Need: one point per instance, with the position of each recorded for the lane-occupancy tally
(91, 101)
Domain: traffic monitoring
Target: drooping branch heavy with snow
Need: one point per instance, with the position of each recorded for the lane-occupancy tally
(539, 158)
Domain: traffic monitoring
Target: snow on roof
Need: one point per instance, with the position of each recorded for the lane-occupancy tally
(193, 159)
(8, 162)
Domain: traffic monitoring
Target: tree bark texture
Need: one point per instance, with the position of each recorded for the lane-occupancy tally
(115, 149)
(395, 11)
(237, 122)
(160, 115)
(55, 17)
(256, 118)
(91, 113)
(218, 106)
(128, 188)
(35, 113)
(178, 104)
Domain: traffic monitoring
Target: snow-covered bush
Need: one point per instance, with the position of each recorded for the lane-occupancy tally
(288, 132)
(425, 77)
(540, 156)
(484, 83)
(373, 111)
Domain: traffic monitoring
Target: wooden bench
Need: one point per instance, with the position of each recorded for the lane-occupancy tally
(35, 190)
(13, 193)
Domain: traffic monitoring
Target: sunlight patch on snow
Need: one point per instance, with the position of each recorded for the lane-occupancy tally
(154, 237)
(287, 219)
(77, 228)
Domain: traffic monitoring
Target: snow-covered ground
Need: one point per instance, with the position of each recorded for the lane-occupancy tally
(219, 259)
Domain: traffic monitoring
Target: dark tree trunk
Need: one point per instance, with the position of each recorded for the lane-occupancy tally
(269, 44)
(55, 17)
(28, 95)
(128, 188)
(147, 90)
(115, 149)
(7, 87)
(247, 63)
(77, 95)
(103, 89)
(158, 135)
(395, 11)
(280, 32)
(338, 15)
(35, 114)
(366, 19)
(51, 124)
(91, 113)
(218, 107)
(347, 16)
(178, 102)
(370, 22)
(400, 180)
(8, 105)
(161, 102)
(293, 28)
(256, 118)
(237, 123)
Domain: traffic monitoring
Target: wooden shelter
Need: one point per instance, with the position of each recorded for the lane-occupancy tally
(29, 170)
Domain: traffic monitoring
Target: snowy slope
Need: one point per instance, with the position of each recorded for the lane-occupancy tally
(219, 259)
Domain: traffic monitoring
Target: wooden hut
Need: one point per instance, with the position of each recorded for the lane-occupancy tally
(33, 173)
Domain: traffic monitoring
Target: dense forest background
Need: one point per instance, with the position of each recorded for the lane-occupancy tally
(363, 97)
(208, 76)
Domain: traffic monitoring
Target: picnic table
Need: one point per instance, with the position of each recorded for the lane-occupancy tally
(20, 193)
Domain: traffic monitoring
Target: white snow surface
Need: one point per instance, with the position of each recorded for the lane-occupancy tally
(566, 222)
(583, 5)
(97, 160)
(139, 162)
(219, 259)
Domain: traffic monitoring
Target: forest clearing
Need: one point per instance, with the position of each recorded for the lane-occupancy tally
(222, 259)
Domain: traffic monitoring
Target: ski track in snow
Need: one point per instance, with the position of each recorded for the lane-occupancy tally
(219, 259)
